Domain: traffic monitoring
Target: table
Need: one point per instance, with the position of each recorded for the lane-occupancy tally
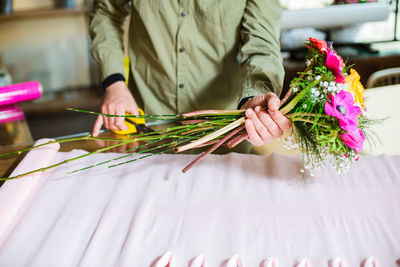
(253, 206)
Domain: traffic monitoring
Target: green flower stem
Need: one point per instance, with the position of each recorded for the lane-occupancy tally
(197, 130)
(150, 117)
(284, 110)
(87, 137)
(121, 157)
(144, 145)
(142, 157)
(287, 108)
(212, 135)
(176, 142)
(290, 91)
(185, 122)
(214, 147)
(325, 125)
(64, 162)
(213, 112)
(309, 115)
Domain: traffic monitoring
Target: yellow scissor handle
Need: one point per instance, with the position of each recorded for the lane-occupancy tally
(130, 122)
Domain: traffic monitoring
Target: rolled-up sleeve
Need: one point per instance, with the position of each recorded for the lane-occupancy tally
(106, 31)
(261, 60)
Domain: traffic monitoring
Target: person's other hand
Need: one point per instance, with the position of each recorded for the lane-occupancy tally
(264, 126)
(117, 100)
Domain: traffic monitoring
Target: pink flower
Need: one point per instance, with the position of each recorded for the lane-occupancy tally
(342, 107)
(354, 139)
(334, 63)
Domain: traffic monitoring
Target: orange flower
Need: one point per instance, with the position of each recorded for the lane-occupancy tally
(355, 87)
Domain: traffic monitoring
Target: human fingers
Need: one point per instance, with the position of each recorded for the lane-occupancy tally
(254, 101)
(133, 109)
(272, 101)
(97, 126)
(272, 127)
(119, 121)
(260, 131)
(283, 123)
(252, 135)
(105, 109)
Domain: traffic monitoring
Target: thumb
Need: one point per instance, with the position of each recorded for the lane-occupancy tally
(273, 101)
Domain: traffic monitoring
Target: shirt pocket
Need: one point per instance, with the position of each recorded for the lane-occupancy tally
(223, 13)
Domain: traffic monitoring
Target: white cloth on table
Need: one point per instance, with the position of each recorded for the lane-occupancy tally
(253, 206)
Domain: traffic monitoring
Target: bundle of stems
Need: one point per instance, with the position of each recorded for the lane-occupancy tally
(323, 106)
(212, 128)
(195, 130)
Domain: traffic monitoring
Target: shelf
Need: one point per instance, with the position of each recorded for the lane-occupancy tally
(335, 16)
(58, 102)
(40, 13)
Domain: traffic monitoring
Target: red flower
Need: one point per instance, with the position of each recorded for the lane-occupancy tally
(321, 44)
(333, 63)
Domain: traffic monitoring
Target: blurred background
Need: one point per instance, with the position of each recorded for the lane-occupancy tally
(48, 41)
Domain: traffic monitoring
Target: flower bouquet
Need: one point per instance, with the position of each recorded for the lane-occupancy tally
(325, 105)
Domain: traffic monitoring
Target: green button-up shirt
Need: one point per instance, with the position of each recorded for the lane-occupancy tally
(191, 54)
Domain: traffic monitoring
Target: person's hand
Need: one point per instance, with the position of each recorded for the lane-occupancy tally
(117, 100)
(264, 126)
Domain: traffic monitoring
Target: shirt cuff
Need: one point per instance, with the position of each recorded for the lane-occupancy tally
(241, 103)
(116, 77)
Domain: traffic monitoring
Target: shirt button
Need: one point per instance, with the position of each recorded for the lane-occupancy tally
(183, 14)
(181, 49)
(181, 85)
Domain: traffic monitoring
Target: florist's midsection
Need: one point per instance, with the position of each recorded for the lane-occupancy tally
(196, 66)
(177, 82)
(211, 87)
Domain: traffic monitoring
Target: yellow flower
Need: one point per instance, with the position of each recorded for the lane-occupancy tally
(355, 87)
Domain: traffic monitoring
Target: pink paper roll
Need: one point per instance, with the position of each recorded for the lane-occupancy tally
(11, 113)
(16, 195)
(19, 92)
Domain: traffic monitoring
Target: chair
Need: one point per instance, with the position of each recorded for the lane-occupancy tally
(384, 77)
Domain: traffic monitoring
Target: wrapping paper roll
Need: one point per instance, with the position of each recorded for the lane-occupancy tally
(19, 92)
(11, 113)
(15, 195)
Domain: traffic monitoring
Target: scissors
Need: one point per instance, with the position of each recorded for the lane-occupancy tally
(135, 125)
